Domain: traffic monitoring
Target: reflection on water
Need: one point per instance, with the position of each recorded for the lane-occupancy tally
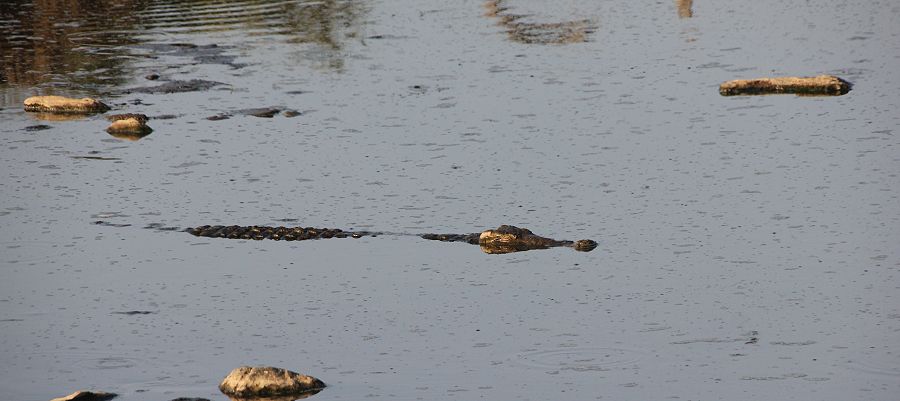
(86, 45)
(685, 8)
(47, 41)
(279, 398)
(537, 32)
(57, 117)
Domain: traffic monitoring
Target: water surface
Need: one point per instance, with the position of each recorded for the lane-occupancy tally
(747, 244)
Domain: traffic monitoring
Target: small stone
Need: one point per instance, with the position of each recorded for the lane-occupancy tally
(261, 381)
(86, 396)
(60, 104)
(152, 77)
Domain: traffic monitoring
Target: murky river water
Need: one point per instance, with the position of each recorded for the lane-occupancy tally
(748, 245)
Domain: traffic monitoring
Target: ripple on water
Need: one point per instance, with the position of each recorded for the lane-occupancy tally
(580, 359)
(880, 367)
(96, 360)
(29, 251)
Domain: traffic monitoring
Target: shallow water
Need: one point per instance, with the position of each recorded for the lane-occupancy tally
(747, 244)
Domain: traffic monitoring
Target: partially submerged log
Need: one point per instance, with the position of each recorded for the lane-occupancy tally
(60, 104)
(820, 85)
(260, 381)
(129, 126)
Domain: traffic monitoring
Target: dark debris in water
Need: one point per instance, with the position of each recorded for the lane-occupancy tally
(161, 227)
(219, 117)
(95, 158)
(263, 112)
(193, 85)
(199, 54)
(39, 127)
(108, 224)
(134, 312)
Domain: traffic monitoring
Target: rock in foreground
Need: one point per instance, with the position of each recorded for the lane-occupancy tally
(260, 381)
(129, 126)
(86, 396)
(60, 104)
(820, 85)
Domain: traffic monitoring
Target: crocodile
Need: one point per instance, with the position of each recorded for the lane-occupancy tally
(505, 239)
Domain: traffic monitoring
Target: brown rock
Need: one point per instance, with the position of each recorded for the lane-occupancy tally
(86, 396)
(59, 104)
(820, 85)
(261, 381)
(129, 126)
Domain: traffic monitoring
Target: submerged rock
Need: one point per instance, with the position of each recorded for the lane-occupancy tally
(219, 117)
(60, 104)
(820, 85)
(39, 127)
(129, 126)
(86, 396)
(261, 381)
(262, 112)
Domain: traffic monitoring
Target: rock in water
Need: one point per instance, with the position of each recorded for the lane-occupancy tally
(86, 396)
(820, 85)
(128, 126)
(262, 381)
(59, 104)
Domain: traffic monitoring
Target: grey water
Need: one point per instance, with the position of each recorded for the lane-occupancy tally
(748, 245)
